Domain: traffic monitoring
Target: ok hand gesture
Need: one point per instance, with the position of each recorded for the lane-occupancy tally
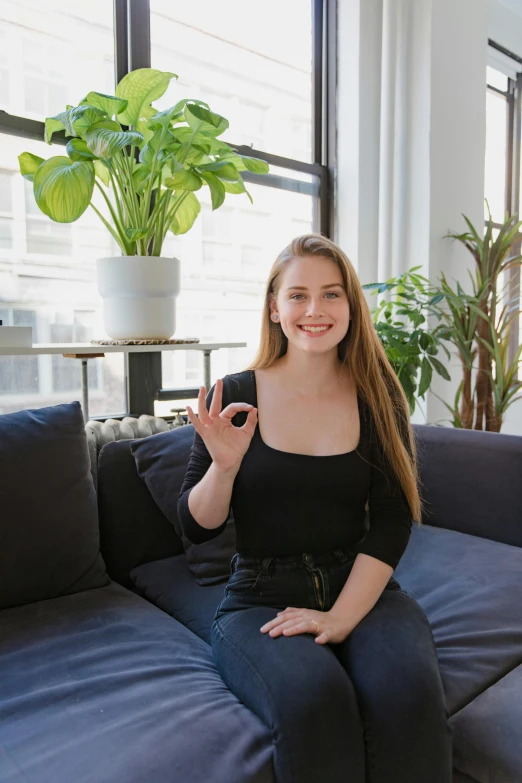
(226, 444)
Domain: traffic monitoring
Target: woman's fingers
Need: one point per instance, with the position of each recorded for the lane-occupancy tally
(215, 405)
(202, 406)
(194, 420)
(234, 407)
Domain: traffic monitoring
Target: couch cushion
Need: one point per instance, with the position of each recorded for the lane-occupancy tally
(471, 591)
(161, 462)
(487, 734)
(171, 585)
(455, 467)
(48, 518)
(132, 528)
(102, 686)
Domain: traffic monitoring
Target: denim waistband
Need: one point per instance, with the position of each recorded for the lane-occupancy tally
(339, 555)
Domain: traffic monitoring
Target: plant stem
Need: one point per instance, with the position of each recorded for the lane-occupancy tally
(173, 211)
(124, 242)
(109, 228)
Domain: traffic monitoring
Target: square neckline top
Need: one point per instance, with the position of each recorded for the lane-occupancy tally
(257, 431)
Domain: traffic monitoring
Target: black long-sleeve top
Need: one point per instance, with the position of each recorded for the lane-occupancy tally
(285, 503)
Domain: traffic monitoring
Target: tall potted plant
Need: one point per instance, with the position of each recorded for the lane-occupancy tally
(479, 330)
(148, 166)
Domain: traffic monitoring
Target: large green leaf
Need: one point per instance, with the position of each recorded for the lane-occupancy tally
(426, 375)
(105, 143)
(63, 188)
(184, 180)
(52, 124)
(107, 103)
(237, 187)
(223, 169)
(186, 214)
(140, 176)
(192, 153)
(77, 119)
(77, 149)
(439, 367)
(217, 190)
(139, 88)
(29, 164)
(201, 119)
(102, 172)
(255, 165)
(164, 118)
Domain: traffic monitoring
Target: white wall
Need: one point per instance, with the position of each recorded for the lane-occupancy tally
(451, 116)
(457, 149)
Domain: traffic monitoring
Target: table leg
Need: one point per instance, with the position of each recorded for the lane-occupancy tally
(143, 371)
(85, 391)
(206, 370)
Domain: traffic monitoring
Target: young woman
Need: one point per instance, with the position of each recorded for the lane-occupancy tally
(314, 634)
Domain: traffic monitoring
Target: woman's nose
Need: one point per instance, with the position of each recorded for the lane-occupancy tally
(315, 307)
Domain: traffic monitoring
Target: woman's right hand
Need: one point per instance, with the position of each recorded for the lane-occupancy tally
(226, 444)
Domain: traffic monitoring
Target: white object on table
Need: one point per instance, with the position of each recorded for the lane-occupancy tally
(16, 336)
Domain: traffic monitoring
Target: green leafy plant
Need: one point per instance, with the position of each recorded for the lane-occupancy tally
(146, 164)
(402, 326)
(478, 329)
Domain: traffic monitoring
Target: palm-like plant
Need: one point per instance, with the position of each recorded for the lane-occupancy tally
(476, 331)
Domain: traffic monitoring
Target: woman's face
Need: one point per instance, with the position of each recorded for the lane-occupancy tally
(311, 295)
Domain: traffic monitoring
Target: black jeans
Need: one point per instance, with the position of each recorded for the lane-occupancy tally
(368, 710)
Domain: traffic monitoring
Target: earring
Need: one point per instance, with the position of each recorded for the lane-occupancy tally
(275, 317)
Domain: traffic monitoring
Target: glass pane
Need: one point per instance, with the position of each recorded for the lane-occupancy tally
(495, 172)
(48, 281)
(223, 280)
(255, 72)
(41, 69)
(496, 78)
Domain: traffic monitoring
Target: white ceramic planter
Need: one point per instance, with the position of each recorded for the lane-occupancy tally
(139, 296)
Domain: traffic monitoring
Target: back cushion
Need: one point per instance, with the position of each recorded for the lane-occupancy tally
(471, 481)
(49, 535)
(132, 528)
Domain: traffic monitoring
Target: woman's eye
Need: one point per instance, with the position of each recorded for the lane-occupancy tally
(330, 293)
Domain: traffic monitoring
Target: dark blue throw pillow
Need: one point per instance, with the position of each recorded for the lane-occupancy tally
(161, 462)
(50, 544)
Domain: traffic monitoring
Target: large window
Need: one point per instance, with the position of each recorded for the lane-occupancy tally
(503, 155)
(267, 78)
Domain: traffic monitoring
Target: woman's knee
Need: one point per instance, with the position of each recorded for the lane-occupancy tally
(292, 673)
(391, 655)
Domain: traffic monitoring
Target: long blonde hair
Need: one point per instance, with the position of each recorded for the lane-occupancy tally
(364, 356)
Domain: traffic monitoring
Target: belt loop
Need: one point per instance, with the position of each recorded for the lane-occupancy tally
(266, 564)
(233, 563)
(341, 556)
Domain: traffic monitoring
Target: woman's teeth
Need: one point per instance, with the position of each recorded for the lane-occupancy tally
(314, 328)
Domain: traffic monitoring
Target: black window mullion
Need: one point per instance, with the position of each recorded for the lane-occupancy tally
(121, 40)
(139, 34)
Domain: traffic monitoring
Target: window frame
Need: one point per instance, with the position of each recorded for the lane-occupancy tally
(132, 50)
(513, 97)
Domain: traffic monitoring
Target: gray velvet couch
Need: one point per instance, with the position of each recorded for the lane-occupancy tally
(112, 680)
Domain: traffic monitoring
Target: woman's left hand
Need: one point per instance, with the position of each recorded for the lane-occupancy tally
(325, 626)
